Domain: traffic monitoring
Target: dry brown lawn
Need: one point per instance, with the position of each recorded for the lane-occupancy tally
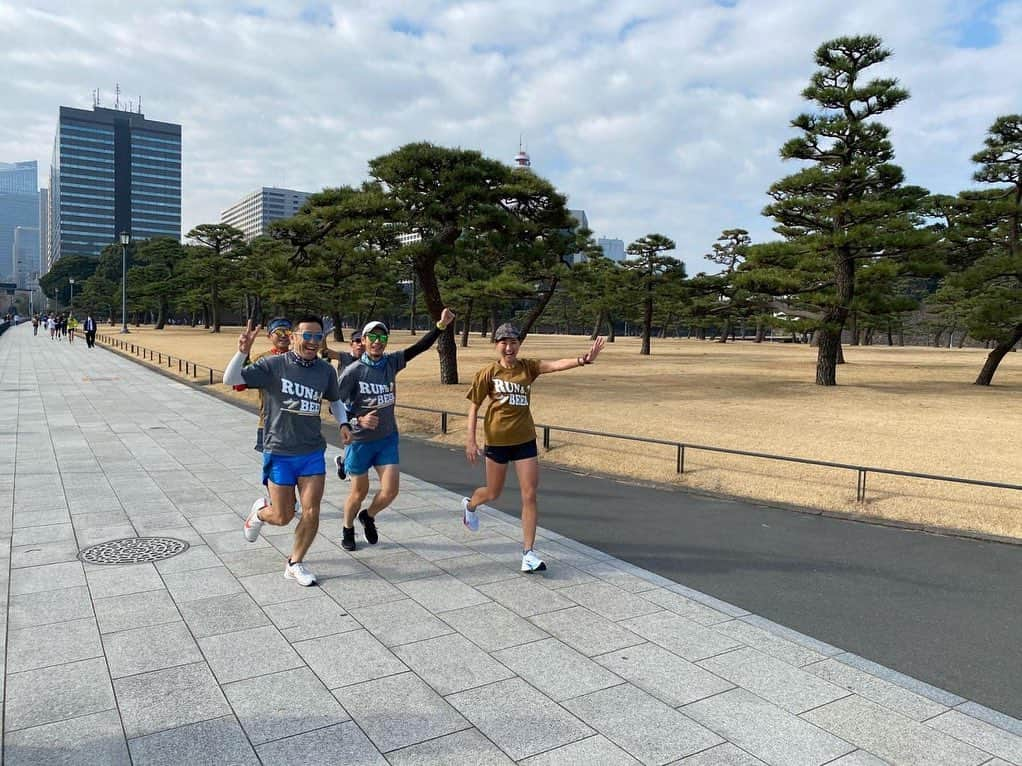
(910, 409)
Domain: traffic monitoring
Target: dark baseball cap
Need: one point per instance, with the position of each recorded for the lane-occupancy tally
(356, 335)
(279, 322)
(507, 330)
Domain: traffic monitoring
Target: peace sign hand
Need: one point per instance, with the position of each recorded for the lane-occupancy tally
(247, 337)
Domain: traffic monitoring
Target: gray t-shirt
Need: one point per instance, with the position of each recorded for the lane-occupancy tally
(292, 394)
(366, 387)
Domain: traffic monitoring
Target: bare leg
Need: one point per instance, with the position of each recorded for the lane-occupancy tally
(528, 480)
(310, 489)
(496, 474)
(390, 484)
(281, 509)
(356, 494)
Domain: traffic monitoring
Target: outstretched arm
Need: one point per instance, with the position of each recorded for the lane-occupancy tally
(566, 364)
(429, 338)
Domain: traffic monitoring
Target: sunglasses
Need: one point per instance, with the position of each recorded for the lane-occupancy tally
(281, 332)
(313, 336)
(377, 337)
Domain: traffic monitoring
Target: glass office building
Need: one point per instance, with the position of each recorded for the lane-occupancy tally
(112, 171)
(19, 210)
(254, 212)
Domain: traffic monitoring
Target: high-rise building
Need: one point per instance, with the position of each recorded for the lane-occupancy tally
(19, 208)
(44, 229)
(112, 171)
(581, 222)
(254, 212)
(25, 255)
(612, 248)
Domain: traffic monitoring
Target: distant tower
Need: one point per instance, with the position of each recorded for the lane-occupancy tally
(522, 161)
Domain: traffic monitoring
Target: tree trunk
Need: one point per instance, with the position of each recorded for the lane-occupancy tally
(539, 308)
(853, 327)
(611, 335)
(760, 331)
(647, 322)
(467, 321)
(600, 319)
(411, 316)
(161, 317)
(338, 330)
(828, 343)
(214, 305)
(726, 332)
(425, 270)
(986, 375)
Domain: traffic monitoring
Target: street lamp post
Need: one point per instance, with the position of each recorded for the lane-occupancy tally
(71, 280)
(125, 239)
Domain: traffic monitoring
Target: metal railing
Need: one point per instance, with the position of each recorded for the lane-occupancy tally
(186, 367)
(681, 448)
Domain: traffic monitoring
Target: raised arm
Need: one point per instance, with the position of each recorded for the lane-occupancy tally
(429, 338)
(566, 364)
(232, 375)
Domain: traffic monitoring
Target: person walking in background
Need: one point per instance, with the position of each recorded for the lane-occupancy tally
(72, 327)
(89, 328)
(51, 325)
(294, 384)
(510, 431)
(343, 359)
(35, 324)
(369, 391)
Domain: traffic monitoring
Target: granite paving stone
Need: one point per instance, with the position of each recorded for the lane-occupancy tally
(435, 548)
(47, 695)
(47, 577)
(608, 600)
(56, 644)
(196, 557)
(556, 669)
(398, 711)
(34, 554)
(135, 610)
(310, 618)
(217, 741)
(585, 631)
(197, 584)
(525, 598)
(87, 740)
(349, 658)
(666, 676)
(492, 626)
(766, 731)
(468, 746)
(274, 588)
(222, 614)
(862, 758)
(106, 581)
(769, 643)
(477, 569)
(252, 562)
(451, 663)
(892, 736)
(645, 727)
(401, 565)
(49, 533)
(680, 635)
(247, 653)
(724, 755)
(151, 648)
(442, 593)
(344, 743)
(399, 622)
(879, 690)
(979, 733)
(283, 704)
(594, 750)
(35, 609)
(793, 689)
(167, 699)
(498, 709)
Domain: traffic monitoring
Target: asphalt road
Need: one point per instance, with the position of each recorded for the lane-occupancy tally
(941, 609)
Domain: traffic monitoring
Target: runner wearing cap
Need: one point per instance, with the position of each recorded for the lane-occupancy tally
(369, 391)
(295, 383)
(343, 359)
(279, 332)
(510, 431)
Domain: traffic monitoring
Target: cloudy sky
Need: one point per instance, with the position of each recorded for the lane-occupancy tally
(651, 115)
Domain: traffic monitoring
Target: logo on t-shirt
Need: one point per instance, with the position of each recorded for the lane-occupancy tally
(377, 394)
(306, 401)
(514, 394)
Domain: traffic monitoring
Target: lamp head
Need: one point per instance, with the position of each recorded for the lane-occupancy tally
(125, 238)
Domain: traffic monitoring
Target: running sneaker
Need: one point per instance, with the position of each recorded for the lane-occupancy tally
(368, 527)
(531, 562)
(253, 523)
(300, 573)
(469, 518)
(348, 538)
(339, 462)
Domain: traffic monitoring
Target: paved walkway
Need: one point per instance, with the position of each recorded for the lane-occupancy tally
(429, 648)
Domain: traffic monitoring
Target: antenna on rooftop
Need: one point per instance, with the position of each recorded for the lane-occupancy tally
(117, 96)
(140, 105)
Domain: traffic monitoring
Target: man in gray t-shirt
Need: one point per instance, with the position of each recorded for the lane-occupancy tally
(293, 384)
(368, 389)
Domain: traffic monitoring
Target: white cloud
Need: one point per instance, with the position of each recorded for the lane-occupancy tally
(653, 116)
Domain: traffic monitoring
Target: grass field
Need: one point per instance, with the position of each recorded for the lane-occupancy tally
(909, 409)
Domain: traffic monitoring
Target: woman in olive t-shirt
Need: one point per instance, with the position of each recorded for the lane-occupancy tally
(509, 430)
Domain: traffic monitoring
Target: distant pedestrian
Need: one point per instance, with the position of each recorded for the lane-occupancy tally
(294, 383)
(35, 324)
(72, 328)
(510, 431)
(89, 328)
(368, 389)
(51, 325)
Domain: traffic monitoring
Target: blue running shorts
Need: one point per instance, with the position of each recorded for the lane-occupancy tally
(284, 470)
(361, 456)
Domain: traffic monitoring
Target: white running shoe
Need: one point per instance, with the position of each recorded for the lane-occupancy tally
(531, 562)
(253, 523)
(300, 573)
(469, 518)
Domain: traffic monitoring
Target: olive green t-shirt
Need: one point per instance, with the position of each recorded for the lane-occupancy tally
(508, 419)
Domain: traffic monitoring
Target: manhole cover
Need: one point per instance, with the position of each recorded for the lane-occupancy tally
(133, 550)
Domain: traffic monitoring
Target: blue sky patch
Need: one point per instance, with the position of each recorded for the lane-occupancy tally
(978, 30)
(405, 26)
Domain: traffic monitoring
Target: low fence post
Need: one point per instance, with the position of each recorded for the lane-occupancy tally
(860, 486)
(546, 437)
(443, 422)
(681, 458)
